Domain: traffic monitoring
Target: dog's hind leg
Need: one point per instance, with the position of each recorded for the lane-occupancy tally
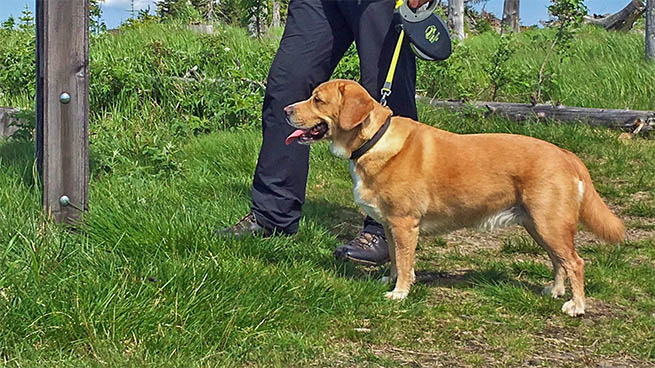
(404, 232)
(558, 288)
(557, 233)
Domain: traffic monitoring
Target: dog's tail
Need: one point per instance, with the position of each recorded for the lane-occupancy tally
(594, 213)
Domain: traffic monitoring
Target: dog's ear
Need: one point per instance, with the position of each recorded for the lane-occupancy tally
(356, 105)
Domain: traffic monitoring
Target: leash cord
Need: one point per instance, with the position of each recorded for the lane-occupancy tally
(386, 88)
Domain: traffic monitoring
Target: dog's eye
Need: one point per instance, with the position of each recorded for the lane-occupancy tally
(317, 99)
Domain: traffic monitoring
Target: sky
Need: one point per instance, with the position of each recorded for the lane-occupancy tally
(117, 11)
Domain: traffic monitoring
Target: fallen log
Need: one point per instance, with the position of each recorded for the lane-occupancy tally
(6, 119)
(613, 118)
(621, 20)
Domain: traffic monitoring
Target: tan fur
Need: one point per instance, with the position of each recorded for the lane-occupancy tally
(420, 178)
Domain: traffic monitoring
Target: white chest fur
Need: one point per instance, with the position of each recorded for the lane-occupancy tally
(365, 202)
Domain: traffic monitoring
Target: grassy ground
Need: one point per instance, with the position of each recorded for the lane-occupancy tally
(144, 283)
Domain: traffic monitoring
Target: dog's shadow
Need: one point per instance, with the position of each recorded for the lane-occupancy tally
(472, 279)
(344, 223)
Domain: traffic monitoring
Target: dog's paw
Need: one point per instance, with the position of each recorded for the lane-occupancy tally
(396, 295)
(572, 310)
(553, 291)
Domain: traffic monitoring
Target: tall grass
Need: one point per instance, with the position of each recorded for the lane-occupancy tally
(603, 69)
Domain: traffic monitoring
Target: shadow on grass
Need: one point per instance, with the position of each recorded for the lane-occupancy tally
(19, 157)
(345, 222)
(473, 279)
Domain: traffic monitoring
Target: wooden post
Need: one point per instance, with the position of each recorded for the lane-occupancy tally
(650, 30)
(511, 18)
(63, 106)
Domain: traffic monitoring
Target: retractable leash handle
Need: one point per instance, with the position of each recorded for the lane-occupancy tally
(428, 36)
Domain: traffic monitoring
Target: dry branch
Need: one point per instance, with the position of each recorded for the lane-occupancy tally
(614, 118)
(621, 20)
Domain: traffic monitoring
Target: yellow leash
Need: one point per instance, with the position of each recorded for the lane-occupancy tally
(386, 89)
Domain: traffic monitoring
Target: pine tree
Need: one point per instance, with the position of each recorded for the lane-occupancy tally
(26, 20)
(9, 24)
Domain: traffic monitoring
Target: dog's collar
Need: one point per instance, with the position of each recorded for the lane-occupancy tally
(371, 142)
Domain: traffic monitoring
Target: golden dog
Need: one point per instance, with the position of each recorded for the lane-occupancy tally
(417, 177)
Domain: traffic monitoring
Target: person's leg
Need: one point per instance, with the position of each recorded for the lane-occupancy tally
(375, 55)
(314, 40)
(376, 37)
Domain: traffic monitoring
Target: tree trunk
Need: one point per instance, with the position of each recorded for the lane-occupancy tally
(211, 12)
(275, 22)
(621, 20)
(256, 24)
(456, 18)
(650, 30)
(615, 118)
(511, 19)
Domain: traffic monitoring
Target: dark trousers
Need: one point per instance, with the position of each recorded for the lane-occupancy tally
(316, 36)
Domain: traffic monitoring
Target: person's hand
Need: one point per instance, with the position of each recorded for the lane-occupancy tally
(416, 3)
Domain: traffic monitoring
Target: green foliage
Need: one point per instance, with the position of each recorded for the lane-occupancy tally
(17, 61)
(196, 84)
(500, 72)
(177, 10)
(255, 15)
(25, 122)
(9, 24)
(96, 24)
(245, 13)
(482, 25)
(26, 20)
(604, 69)
(569, 15)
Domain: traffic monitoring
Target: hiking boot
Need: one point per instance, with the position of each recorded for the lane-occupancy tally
(246, 226)
(367, 248)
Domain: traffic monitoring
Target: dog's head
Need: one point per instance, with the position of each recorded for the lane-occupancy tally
(340, 111)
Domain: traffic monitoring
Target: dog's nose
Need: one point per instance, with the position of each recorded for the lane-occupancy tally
(288, 110)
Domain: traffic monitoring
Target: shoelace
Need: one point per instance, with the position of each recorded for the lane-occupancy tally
(364, 240)
(249, 218)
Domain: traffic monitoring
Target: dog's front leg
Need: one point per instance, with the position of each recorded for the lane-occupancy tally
(393, 270)
(404, 232)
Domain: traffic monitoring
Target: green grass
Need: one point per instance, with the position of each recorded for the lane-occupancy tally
(604, 69)
(144, 283)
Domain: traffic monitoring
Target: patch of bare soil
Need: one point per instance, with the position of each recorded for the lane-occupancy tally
(472, 241)
(554, 351)
(596, 309)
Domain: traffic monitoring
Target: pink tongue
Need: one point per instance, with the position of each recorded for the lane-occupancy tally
(293, 136)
